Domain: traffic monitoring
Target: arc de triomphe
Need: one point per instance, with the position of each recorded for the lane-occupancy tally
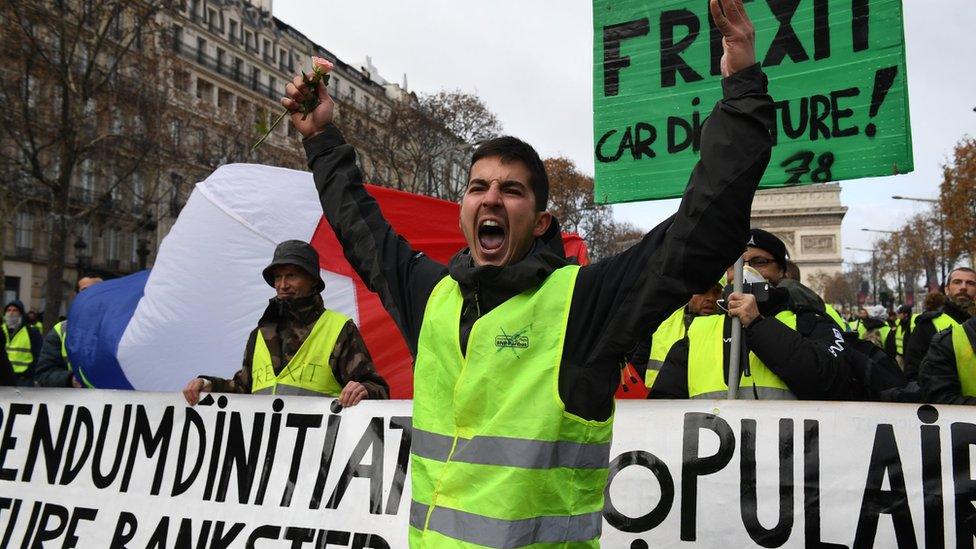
(808, 220)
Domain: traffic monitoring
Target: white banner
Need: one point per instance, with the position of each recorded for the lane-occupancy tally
(128, 469)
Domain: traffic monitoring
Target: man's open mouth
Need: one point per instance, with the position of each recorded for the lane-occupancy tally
(491, 235)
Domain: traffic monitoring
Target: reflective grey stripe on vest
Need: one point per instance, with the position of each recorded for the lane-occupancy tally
(511, 452)
(745, 393)
(18, 350)
(655, 365)
(287, 390)
(503, 534)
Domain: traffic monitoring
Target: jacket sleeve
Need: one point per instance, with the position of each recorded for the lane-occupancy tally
(938, 375)
(813, 366)
(401, 276)
(622, 299)
(350, 361)
(51, 370)
(672, 380)
(7, 376)
(917, 347)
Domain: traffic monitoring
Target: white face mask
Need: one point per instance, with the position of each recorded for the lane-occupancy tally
(13, 320)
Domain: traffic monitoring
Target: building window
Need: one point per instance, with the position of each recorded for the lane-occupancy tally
(138, 188)
(87, 182)
(116, 193)
(181, 80)
(11, 287)
(233, 30)
(221, 60)
(134, 243)
(85, 233)
(174, 133)
(225, 100)
(112, 244)
(249, 40)
(176, 192)
(205, 90)
(24, 230)
(177, 38)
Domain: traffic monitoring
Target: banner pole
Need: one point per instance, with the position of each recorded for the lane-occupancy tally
(735, 347)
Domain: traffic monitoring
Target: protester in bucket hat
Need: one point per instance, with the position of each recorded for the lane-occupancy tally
(295, 336)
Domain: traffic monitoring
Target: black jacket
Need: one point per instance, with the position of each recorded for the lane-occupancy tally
(918, 344)
(616, 301)
(7, 377)
(810, 360)
(938, 374)
(51, 370)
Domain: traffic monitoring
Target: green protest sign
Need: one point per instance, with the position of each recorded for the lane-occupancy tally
(836, 71)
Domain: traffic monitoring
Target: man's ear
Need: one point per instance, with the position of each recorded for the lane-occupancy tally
(542, 222)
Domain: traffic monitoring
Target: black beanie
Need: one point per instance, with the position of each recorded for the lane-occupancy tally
(764, 240)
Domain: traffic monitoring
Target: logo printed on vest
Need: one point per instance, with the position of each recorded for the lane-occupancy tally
(517, 340)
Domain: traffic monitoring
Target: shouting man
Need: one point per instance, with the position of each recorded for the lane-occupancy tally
(518, 350)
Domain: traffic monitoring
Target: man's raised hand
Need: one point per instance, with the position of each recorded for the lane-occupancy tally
(738, 35)
(298, 91)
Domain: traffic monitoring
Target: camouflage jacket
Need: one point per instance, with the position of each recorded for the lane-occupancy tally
(284, 326)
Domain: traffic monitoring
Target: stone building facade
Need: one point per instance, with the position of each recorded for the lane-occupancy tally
(227, 64)
(808, 219)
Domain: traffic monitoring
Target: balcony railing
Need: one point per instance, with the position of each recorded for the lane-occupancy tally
(233, 73)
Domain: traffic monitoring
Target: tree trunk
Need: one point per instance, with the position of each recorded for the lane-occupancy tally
(56, 257)
(55, 274)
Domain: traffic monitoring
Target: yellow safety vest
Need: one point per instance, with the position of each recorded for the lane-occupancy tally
(943, 322)
(60, 328)
(308, 372)
(706, 363)
(18, 349)
(833, 314)
(965, 361)
(667, 334)
(496, 459)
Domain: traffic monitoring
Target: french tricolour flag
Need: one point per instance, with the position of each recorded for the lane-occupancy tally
(192, 313)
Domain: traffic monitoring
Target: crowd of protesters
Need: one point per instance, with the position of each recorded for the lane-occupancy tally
(510, 318)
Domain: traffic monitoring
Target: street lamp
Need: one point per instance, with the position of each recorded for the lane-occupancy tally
(901, 297)
(874, 270)
(941, 230)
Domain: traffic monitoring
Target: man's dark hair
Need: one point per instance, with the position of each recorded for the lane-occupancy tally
(511, 149)
(933, 301)
(792, 271)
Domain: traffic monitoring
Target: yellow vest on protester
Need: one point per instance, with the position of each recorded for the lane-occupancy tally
(833, 314)
(496, 459)
(18, 349)
(667, 334)
(706, 363)
(965, 360)
(308, 372)
(943, 322)
(60, 328)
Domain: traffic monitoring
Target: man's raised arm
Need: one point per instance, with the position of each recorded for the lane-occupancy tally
(629, 294)
(402, 277)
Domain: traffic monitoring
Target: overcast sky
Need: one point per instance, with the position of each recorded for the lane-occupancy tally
(531, 62)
